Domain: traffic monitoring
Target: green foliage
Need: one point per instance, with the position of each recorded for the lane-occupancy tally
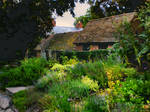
(51, 77)
(85, 55)
(72, 61)
(45, 81)
(83, 19)
(77, 71)
(20, 101)
(116, 70)
(95, 104)
(24, 100)
(51, 62)
(47, 103)
(72, 89)
(93, 85)
(57, 73)
(94, 71)
(131, 94)
(61, 94)
(105, 8)
(130, 91)
(26, 74)
(134, 44)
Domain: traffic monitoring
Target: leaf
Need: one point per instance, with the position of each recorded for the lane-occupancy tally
(143, 51)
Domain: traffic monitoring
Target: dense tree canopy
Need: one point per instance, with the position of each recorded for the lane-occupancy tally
(104, 8)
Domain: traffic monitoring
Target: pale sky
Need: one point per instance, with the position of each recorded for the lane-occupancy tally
(67, 19)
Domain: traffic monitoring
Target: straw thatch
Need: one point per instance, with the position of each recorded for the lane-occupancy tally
(63, 41)
(102, 30)
(43, 44)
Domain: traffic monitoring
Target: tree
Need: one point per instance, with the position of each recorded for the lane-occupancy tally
(134, 39)
(105, 8)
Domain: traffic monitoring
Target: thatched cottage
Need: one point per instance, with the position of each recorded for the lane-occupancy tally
(63, 41)
(99, 33)
(40, 48)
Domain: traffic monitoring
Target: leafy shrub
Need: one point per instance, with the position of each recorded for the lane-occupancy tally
(24, 100)
(61, 94)
(26, 74)
(51, 62)
(94, 71)
(45, 81)
(71, 61)
(95, 104)
(51, 77)
(73, 89)
(131, 93)
(134, 39)
(85, 55)
(47, 103)
(59, 67)
(93, 85)
(20, 101)
(77, 71)
(78, 89)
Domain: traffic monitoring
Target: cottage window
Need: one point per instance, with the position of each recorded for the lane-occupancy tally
(103, 46)
(86, 47)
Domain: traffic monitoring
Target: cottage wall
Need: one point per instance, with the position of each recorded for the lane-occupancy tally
(38, 54)
(94, 47)
(79, 48)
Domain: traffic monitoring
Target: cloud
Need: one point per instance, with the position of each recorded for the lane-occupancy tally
(67, 19)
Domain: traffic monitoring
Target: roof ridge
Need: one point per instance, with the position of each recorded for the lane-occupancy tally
(110, 16)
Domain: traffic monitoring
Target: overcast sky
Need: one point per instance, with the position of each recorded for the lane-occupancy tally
(67, 19)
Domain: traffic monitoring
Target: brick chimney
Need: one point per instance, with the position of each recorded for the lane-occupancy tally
(79, 25)
(54, 22)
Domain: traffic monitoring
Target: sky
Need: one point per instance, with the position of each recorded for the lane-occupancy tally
(67, 19)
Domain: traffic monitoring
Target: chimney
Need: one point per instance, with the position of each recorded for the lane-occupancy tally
(53, 22)
(79, 25)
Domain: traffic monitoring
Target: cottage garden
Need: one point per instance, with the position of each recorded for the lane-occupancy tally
(119, 81)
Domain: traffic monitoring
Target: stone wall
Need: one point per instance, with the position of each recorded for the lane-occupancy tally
(6, 104)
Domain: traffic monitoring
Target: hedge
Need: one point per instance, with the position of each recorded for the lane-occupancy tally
(84, 55)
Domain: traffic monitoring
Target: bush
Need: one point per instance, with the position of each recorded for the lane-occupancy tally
(94, 71)
(24, 100)
(45, 81)
(52, 62)
(73, 89)
(95, 104)
(132, 92)
(61, 94)
(77, 71)
(48, 104)
(85, 55)
(52, 77)
(134, 39)
(20, 101)
(93, 85)
(26, 74)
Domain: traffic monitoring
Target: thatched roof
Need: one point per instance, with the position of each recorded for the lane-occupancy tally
(63, 41)
(102, 30)
(43, 44)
